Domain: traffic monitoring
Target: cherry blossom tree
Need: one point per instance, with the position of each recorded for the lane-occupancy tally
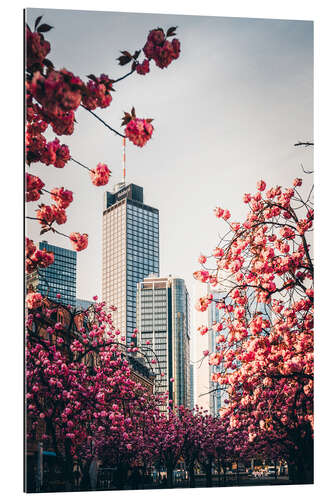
(168, 439)
(192, 440)
(263, 269)
(124, 437)
(79, 387)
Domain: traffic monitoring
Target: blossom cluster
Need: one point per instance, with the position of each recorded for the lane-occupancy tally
(36, 258)
(62, 197)
(79, 241)
(37, 48)
(100, 175)
(39, 150)
(139, 131)
(96, 93)
(33, 187)
(161, 50)
(48, 214)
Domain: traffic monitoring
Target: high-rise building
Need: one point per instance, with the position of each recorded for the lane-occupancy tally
(192, 403)
(83, 303)
(130, 251)
(201, 369)
(163, 333)
(59, 277)
(216, 393)
(208, 394)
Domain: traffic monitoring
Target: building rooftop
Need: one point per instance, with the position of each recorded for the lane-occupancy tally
(121, 191)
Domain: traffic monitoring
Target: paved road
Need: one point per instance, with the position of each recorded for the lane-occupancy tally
(200, 482)
(243, 481)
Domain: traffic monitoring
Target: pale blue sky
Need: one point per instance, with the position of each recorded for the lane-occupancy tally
(226, 113)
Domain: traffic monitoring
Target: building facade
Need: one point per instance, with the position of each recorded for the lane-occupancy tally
(83, 303)
(192, 404)
(164, 334)
(130, 251)
(216, 397)
(201, 368)
(59, 277)
(206, 393)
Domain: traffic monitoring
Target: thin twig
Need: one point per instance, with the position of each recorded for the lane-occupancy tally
(49, 225)
(123, 77)
(306, 144)
(81, 164)
(307, 171)
(104, 123)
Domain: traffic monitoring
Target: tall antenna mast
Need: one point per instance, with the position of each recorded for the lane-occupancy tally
(124, 159)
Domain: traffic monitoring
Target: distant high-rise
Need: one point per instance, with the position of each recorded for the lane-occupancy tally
(130, 251)
(215, 396)
(83, 303)
(163, 322)
(192, 403)
(208, 394)
(59, 277)
(202, 380)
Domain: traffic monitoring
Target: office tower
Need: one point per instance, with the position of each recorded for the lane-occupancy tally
(215, 396)
(130, 251)
(192, 404)
(163, 333)
(83, 304)
(59, 277)
(215, 316)
(202, 378)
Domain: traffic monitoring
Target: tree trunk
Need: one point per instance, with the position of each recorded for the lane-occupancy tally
(68, 468)
(169, 476)
(85, 480)
(208, 469)
(301, 470)
(218, 472)
(121, 476)
(191, 475)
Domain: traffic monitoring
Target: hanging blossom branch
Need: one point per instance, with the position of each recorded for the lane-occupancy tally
(48, 226)
(56, 110)
(79, 241)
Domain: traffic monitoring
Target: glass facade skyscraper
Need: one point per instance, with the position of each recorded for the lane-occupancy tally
(130, 251)
(208, 394)
(163, 322)
(83, 304)
(215, 395)
(192, 404)
(59, 277)
(201, 343)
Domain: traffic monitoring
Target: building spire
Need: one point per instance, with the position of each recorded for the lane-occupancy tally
(124, 160)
